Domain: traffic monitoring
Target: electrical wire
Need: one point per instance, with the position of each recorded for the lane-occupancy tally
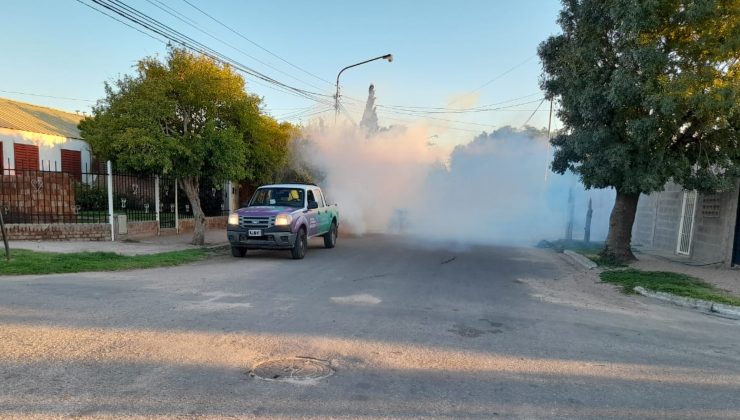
(120, 21)
(534, 112)
(210, 35)
(179, 38)
(48, 96)
(256, 44)
(471, 109)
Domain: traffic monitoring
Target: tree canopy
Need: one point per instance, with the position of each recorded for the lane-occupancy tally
(648, 92)
(188, 117)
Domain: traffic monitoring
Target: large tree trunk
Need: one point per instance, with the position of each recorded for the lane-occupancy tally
(190, 186)
(620, 228)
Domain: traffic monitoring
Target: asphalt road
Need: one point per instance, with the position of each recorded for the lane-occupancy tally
(409, 331)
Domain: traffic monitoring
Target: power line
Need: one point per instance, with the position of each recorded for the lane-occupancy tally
(458, 110)
(256, 44)
(499, 76)
(120, 21)
(467, 110)
(535, 111)
(175, 14)
(179, 38)
(47, 96)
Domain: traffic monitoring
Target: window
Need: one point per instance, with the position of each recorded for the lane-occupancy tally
(290, 197)
(2, 158)
(26, 157)
(710, 205)
(72, 163)
(311, 196)
(319, 198)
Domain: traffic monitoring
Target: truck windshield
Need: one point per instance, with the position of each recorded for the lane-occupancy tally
(290, 197)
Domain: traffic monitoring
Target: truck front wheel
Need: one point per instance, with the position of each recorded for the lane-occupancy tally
(238, 251)
(301, 243)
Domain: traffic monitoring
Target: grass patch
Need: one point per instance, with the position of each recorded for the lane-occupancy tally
(675, 283)
(32, 262)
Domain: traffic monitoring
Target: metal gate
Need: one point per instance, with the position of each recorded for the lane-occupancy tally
(686, 228)
(167, 200)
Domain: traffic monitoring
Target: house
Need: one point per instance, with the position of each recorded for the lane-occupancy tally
(34, 137)
(696, 228)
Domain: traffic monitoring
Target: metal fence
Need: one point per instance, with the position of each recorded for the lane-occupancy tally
(48, 195)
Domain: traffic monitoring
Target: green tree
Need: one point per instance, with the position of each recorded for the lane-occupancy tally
(187, 117)
(648, 92)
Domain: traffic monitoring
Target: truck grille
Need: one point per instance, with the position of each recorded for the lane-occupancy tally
(256, 222)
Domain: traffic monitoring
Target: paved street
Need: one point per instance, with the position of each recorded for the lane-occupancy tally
(410, 332)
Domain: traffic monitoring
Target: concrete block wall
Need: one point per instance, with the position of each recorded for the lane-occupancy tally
(659, 216)
(644, 228)
(59, 232)
(668, 218)
(714, 234)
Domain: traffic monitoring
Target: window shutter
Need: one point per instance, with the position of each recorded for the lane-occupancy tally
(72, 163)
(26, 157)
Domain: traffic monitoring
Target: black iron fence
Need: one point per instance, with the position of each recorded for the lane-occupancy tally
(48, 195)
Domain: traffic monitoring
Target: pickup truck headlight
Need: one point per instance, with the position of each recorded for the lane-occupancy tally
(283, 220)
(234, 219)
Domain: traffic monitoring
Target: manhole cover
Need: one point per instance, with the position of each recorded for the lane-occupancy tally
(297, 369)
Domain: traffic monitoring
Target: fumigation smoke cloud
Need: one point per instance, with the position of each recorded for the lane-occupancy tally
(496, 189)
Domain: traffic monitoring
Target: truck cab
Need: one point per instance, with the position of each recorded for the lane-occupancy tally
(283, 217)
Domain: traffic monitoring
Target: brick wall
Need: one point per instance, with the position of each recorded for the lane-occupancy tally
(215, 222)
(142, 228)
(33, 196)
(58, 232)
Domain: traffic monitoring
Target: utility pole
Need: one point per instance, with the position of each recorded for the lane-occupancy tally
(587, 232)
(549, 137)
(571, 209)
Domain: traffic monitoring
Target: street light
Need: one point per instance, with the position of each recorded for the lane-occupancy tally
(388, 57)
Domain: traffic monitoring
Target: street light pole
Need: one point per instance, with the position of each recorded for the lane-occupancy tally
(388, 57)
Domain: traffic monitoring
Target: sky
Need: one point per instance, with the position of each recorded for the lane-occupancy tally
(447, 54)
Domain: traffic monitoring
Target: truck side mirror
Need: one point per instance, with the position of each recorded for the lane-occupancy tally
(312, 205)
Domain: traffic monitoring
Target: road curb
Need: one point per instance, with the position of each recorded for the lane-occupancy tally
(580, 260)
(704, 305)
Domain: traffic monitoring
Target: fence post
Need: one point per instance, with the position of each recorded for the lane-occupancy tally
(229, 198)
(110, 201)
(177, 210)
(156, 200)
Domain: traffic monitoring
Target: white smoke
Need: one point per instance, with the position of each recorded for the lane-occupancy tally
(494, 189)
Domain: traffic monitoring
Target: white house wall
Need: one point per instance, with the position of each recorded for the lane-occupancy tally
(50, 147)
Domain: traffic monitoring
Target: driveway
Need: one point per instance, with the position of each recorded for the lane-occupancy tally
(408, 331)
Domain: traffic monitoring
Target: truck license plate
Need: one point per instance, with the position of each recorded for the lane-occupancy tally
(255, 232)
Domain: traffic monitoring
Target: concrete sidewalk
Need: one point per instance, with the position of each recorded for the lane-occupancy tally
(720, 277)
(149, 245)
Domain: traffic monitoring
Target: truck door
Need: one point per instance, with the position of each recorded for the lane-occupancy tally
(312, 215)
(324, 214)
